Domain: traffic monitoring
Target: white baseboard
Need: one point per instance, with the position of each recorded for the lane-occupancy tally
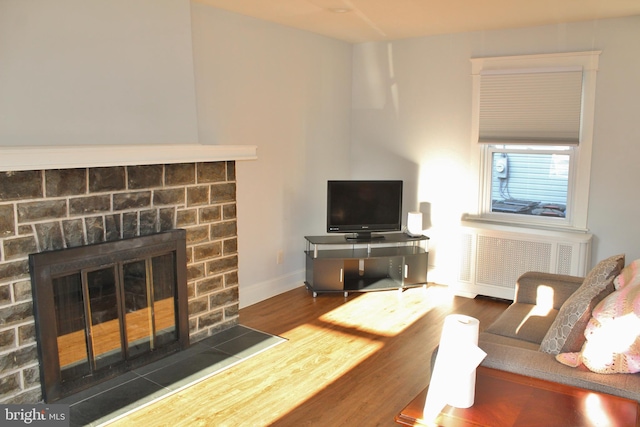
(256, 292)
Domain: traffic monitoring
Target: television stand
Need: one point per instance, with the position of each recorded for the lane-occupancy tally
(335, 264)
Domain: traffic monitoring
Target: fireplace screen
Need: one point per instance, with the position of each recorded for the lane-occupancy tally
(104, 309)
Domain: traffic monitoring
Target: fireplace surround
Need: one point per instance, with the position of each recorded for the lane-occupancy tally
(52, 209)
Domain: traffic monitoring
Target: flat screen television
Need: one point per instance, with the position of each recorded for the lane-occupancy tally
(364, 207)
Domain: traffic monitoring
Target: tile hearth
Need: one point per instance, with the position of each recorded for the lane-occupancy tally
(135, 389)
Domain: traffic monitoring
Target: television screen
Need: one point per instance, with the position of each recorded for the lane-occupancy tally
(364, 207)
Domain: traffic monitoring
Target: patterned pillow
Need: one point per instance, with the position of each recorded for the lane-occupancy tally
(613, 334)
(566, 333)
(629, 276)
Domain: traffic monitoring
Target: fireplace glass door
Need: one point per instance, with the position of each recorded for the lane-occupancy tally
(108, 312)
(149, 304)
(130, 308)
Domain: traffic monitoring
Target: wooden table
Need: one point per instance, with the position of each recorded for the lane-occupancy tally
(507, 399)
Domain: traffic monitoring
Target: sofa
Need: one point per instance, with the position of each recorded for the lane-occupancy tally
(547, 322)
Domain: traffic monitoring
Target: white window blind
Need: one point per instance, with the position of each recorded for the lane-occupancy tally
(530, 107)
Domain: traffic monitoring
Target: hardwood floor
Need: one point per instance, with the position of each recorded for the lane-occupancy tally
(352, 361)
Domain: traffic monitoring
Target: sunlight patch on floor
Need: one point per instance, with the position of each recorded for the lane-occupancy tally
(388, 313)
(299, 367)
(328, 347)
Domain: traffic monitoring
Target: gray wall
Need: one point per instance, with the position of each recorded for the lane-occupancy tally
(412, 117)
(100, 72)
(288, 92)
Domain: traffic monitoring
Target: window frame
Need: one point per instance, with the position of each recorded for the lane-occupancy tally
(580, 166)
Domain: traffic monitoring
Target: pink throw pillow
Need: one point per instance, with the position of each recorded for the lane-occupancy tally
(613, 333)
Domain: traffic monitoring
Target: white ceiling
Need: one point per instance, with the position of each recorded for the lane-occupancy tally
(358, 21)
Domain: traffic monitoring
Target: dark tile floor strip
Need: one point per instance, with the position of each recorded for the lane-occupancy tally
(131, 391)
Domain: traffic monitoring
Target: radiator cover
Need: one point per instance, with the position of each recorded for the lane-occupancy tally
(492, 257)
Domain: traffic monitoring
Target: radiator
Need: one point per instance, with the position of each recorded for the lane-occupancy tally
(492, 257)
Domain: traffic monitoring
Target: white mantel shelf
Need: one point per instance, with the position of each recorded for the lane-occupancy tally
(70, 157)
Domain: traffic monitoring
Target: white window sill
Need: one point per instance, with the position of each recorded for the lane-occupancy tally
(478, 219)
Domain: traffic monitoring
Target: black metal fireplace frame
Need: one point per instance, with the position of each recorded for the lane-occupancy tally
(44, 266)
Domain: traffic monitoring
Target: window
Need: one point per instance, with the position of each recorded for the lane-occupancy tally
(532, 135)
(530, 180)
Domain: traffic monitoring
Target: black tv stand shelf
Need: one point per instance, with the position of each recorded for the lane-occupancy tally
(389, 261)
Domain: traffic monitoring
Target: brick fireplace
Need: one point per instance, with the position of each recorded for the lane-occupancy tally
(49, 209)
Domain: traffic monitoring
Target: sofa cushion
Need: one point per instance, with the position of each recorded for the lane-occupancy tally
(533, 363)
(528, 287)
(613, 333)
(486, 337)
(566, 333)
(524, 321)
